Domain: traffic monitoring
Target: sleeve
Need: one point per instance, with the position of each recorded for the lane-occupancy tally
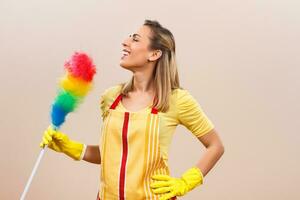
(103, 104)
(107, 97)
(191, 114)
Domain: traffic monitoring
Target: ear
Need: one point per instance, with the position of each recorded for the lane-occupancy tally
(155, 55)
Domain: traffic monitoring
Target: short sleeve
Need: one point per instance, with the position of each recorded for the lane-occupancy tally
(191, 114)
(106, 99)
(103, 104)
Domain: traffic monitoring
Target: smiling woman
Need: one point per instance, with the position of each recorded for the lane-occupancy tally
(139, 119)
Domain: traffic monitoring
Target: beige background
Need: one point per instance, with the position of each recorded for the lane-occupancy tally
(239, 59)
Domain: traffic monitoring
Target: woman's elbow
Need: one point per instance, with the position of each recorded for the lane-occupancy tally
(221, 149)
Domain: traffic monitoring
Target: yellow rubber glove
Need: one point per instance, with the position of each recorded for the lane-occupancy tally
(171, 187)
(60, 142)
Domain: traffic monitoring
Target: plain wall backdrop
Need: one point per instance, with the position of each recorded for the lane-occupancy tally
(239, 59)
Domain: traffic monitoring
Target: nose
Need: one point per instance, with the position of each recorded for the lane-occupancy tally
(126, 42)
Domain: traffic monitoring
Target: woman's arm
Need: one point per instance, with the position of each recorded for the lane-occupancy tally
(92, 154)
(214, 150)
(171, 187)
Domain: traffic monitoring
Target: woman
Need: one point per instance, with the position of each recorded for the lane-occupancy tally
(139, 119)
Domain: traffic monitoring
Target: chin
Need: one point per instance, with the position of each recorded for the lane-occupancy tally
(129, 65)
(124, 65)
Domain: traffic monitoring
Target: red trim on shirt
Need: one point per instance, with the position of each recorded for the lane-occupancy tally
(116, 102)
(124, 156)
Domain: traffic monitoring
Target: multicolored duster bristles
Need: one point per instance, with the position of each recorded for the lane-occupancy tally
(73, 87)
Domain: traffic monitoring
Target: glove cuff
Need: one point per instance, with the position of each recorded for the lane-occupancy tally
(75, 150)
(193, 177)
(201, 175)
(83, 152)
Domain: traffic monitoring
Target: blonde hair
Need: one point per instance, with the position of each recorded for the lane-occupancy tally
(165, 74)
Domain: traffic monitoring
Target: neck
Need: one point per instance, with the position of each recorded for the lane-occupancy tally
(142, 82)
(143, 79)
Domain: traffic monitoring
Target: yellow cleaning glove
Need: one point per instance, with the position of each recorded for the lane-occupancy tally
(60, 142)
(171, 187)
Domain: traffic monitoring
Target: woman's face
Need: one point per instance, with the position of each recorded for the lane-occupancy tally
(135, 52)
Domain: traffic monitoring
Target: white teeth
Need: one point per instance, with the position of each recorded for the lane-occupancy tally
(125, 53)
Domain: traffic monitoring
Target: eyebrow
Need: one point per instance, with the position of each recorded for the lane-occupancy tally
(135, 34)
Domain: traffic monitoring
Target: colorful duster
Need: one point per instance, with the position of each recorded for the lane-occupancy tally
(73, 87)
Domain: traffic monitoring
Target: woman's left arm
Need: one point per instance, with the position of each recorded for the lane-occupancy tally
(214, 151)
(192, 116)
(172, 186)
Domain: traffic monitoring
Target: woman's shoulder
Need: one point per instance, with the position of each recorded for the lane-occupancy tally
(179, 93)
(112, 90)
(178, 99)
(108, 96)
(183, 99)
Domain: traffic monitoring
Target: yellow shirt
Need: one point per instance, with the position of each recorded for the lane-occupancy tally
(184, 110)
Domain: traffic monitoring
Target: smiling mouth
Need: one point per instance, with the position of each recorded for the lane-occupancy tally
(125, 53)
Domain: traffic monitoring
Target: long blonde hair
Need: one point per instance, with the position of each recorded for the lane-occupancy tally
(165, 74)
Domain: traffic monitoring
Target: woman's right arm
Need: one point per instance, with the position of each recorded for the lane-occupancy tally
(92, 154)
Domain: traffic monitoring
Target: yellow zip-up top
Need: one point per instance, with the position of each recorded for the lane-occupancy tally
(134, 145)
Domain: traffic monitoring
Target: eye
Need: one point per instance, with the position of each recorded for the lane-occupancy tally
(134, 38)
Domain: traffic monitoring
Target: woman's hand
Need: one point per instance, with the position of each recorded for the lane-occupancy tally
(171, 187)
(60, 142)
